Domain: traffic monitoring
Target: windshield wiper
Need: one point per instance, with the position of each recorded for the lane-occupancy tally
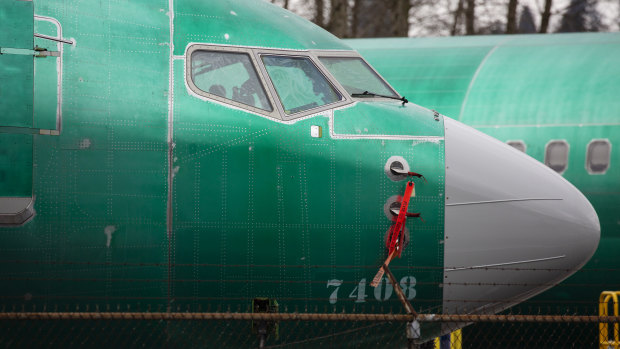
(371, 94)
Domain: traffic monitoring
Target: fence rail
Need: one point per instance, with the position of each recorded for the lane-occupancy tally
(306, 317)
(174, 329)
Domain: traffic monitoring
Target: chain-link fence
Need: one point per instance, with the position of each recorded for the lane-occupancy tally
(300, 330)
(72, 304)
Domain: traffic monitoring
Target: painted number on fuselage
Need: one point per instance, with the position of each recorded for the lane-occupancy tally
(333, 298)
(382, 292)
(407, 284)
(361, 292)
(383, 288)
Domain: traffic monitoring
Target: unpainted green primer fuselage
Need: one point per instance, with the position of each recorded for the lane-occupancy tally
(534, 89)
(147, 196)
(131, 178)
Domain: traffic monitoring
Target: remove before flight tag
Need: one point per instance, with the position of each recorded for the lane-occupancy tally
(396, 235)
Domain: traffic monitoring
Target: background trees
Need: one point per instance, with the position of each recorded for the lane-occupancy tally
(388, 18)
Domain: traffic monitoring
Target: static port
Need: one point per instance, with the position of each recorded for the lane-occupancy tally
(392, 203)
(405, 240)
(396, 168)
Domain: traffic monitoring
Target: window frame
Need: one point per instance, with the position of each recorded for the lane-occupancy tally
(567, 154)
(354, 54)
(274, 113)
(588, 168)
(344, 96)
(272, 96)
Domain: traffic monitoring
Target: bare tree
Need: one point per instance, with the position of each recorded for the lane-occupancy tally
(338, 23)
(372, 18)
(319, 15)
(400, 11)
(574, 19)
(355, 20)
(511, 18)
(545, 17)
(581, 16)
(369, 19)
(470, 17)
(527, 25)
(458, 13)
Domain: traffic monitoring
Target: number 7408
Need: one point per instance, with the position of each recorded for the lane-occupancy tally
(382, 292)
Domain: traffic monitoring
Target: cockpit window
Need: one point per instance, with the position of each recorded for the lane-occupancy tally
(299, 83)
(356, 76)
(230, 75)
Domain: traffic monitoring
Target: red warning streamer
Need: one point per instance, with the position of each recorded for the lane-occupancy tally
(396, 236)
(397, 230)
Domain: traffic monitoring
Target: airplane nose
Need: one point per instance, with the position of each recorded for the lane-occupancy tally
(513, 227)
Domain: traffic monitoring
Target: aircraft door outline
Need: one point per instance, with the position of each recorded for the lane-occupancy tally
(30, 101)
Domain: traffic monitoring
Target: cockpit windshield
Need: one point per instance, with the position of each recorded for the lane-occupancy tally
(356, 76)
(299, 83)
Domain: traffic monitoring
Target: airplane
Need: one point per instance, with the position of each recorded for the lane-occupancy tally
(214, 155)
(552, 96)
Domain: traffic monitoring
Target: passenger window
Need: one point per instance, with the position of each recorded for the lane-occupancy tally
(556, 155)
(519, 145)
(299, 83)
(229, 75)
(597, 156)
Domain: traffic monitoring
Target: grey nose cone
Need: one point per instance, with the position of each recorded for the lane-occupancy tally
(513, 227)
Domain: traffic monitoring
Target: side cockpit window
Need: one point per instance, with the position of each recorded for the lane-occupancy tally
(356, 76)
(597, 156)
(556, 155)
(229, 75)
(299, 83)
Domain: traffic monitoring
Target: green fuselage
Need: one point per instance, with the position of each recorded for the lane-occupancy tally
(535, 89)
(148, 196)
(189, 155)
